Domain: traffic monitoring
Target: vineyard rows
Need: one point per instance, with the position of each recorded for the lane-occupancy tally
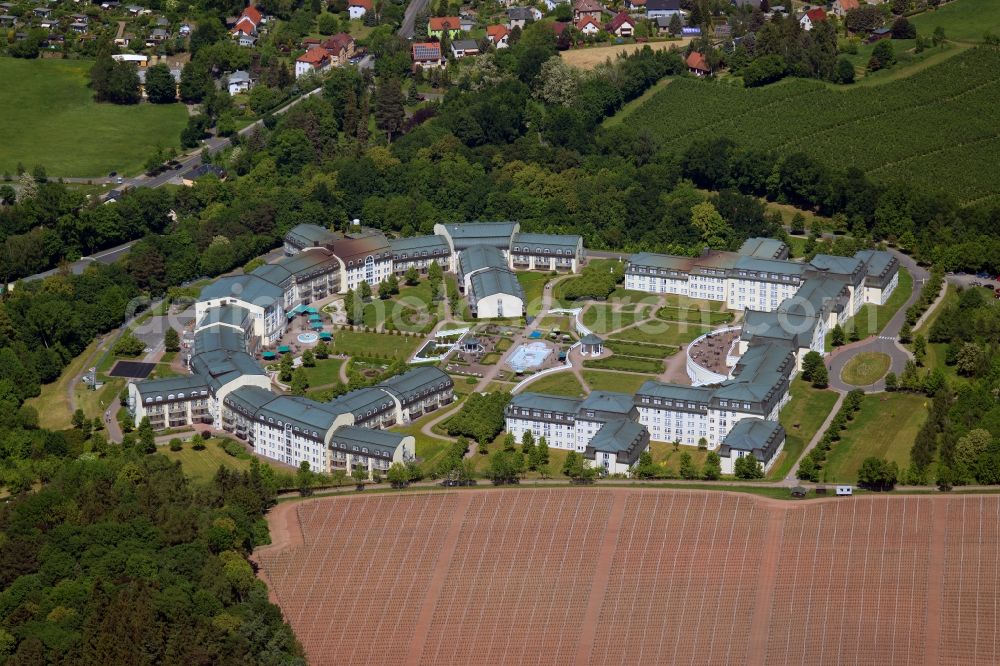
(936, 129)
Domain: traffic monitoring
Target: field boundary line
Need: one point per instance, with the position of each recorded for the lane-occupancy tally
(435, 585)
(602, 575)
(767, 577)
(935, 584)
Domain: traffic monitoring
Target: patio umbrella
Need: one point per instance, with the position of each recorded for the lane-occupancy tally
(284, 349)
(269, 354)
(314, 317)
(312, 310)
(326, 336)
(316, 326)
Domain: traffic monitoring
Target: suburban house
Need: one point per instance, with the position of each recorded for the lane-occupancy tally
(622, 25)
(591, 8)
(498, 36)
(518, 17)
(340, 47)
(467, 23)
(841, 7)
(635, 5)
(588, 25)
(464, 47)
(811, 18)
(356, 9)
(427, 55)
(245, 29)
(239, 81)
(314, 60)
(698, 65)
(42, 12)
(663, 9)
(438, 26)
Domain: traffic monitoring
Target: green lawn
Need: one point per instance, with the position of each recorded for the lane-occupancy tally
(662, 333)
(201, 466)
(359, 343)
(326, 371)
(601, 318)
(599, 380)
(866, 368)
(626, 364)
(962, 20)
(638, 349)
(666, 455)
(53, 121)
(885, 426)
(533, 284)
(558, 383)
(871, 319)
(697, 314)
(801, 418)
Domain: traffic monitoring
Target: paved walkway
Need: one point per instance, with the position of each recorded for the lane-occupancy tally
(791, 479)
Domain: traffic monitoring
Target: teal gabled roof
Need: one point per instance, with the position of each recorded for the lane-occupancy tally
(492, 281)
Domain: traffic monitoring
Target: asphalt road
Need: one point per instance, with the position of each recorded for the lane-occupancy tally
(409, 18)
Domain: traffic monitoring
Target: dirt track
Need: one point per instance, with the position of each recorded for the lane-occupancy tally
(636, 576)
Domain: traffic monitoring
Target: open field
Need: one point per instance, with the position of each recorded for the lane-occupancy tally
(626, 364)
(801, 418)
(601, 318)
(589, 58)
(866, 368)
(326, 371)
(962, 20)
(60, 126)
(934, 129)
(541, 576)
(885, 427)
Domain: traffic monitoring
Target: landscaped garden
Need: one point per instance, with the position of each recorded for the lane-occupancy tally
(379, 345)
(801, 419)
(866, 368)
(662, 333)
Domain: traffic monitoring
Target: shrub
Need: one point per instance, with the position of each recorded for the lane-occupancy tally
(175, 444)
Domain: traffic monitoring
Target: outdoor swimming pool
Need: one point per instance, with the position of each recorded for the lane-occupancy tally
(308, 338)
(527, 356)
(534, 335)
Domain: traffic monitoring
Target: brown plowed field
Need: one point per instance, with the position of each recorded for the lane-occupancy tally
(623, 576)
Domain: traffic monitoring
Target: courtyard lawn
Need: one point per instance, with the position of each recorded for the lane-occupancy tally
(695, 314)
(533, 284)
(662, 333)
(558, 383)
(381, 345)
(801, 418)
(601, 318)
(326, 371)
(670, 457)
(52, 406)
(599, 380)
(871, 319)
(201, 466)
(638, 349)
(866, 368)
(626, 364)
(885, 426)
(53, 121)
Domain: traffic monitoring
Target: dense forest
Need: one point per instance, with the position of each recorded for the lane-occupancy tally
(119, 560)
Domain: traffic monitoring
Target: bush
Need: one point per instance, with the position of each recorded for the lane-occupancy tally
(764, 70)
(903, 29)
(176, 444)
(232, 448)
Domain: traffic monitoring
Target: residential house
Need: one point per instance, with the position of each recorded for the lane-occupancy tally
(438, 26)
(724, 31)
(635, 5)
(622, 25)
(356, 9)
(427, 55)
(239, 81)
(162, 22)
(811, 18)
(49, 24)
(698, 65)
(467, 23)
(841, 7)
(461, 48)
(498, 35)
(340, 47)
(158, 35)
(591, 8)
(42, 12)
(588, 26)
(314, 60)
(78, 27)
(137, 58)
(6, 20)
(663, 9)
(246, 27)
(550, 5)
(518, 17)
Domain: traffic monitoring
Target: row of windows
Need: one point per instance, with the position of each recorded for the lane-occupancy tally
(423, 253)
(539, 250)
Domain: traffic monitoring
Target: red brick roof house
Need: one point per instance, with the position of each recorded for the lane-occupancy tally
(811, 18)
(622, 25)
(698, 65)
(427, 55)
(498, 35)
(588, 25)
(591, 8)
(841, 7)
